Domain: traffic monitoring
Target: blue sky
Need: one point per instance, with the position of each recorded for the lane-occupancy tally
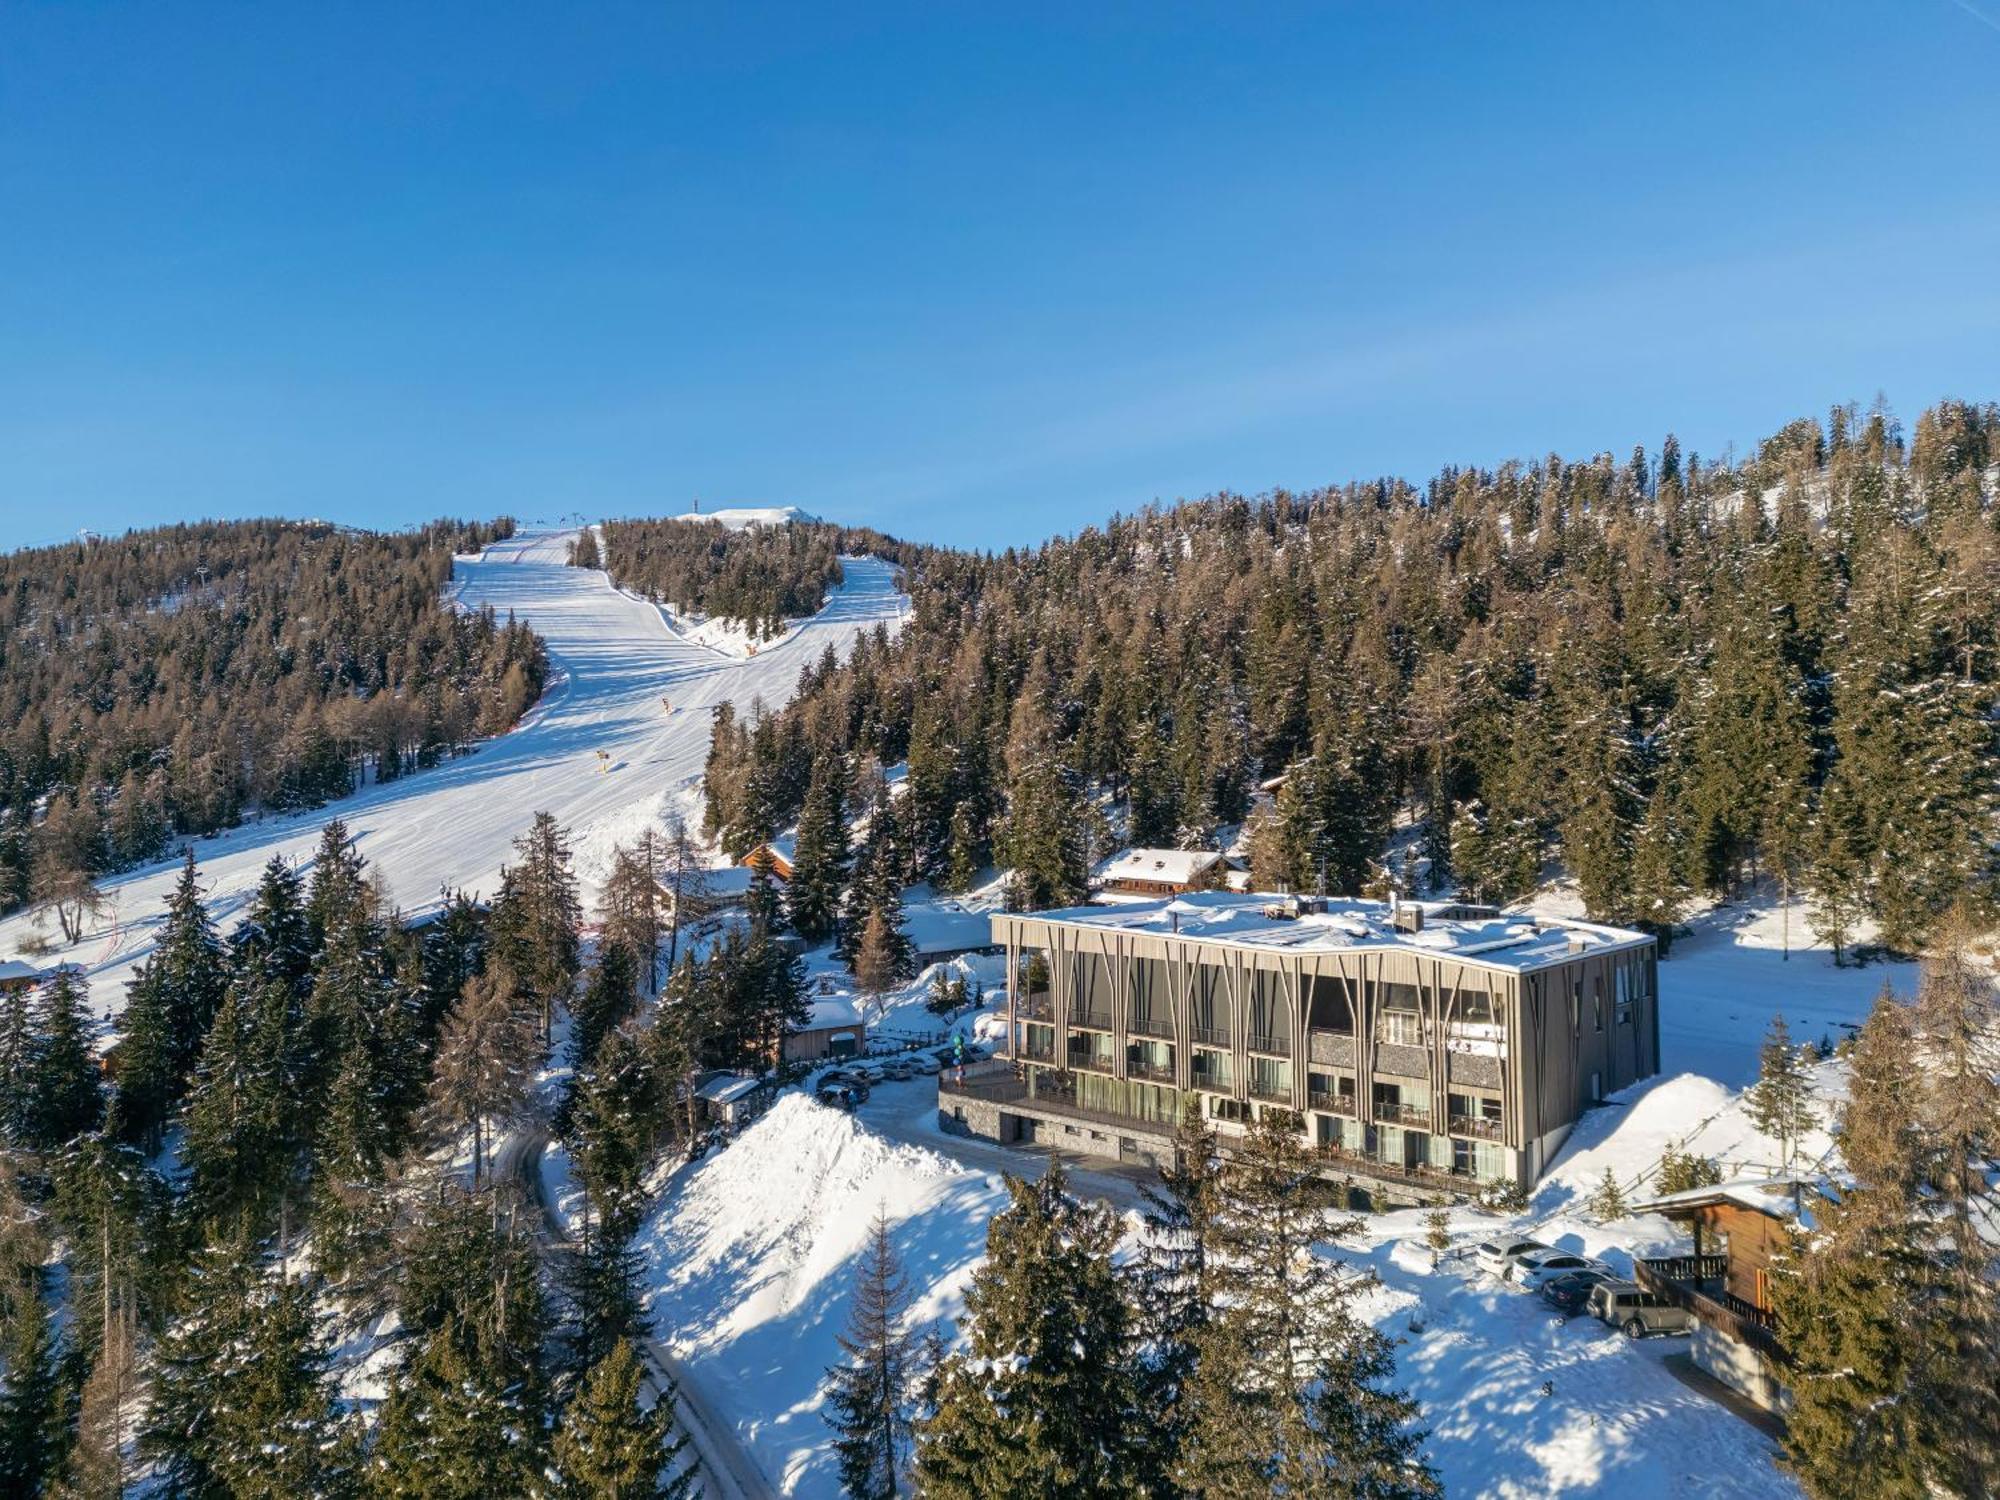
(972, 274)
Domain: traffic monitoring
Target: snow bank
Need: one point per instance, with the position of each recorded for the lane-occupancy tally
(752, 1258)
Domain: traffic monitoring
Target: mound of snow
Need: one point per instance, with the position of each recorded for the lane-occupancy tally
(752, 1259)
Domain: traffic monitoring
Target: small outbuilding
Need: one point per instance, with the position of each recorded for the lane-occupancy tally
(832, 1030)
(732, 1099)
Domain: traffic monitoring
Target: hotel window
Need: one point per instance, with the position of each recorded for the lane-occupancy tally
(1399, 1023)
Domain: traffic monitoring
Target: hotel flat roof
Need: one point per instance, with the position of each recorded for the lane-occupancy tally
(1515, 941)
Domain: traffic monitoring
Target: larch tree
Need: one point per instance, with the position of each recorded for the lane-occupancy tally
(486, 1060)
(872, 1392)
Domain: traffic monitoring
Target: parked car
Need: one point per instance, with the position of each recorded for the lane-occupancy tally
(1627, 1305)
(841, 1078)
(839, 1095)
(1539, 1266)
(924, 1063)
(1497, 1257)
(1569, 1293)
(868, 1072)
(898, 1068)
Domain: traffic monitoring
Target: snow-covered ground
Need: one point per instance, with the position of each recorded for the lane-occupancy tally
(753, 1250)
(612, 661)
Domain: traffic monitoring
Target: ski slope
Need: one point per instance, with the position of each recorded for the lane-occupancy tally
(613, 658)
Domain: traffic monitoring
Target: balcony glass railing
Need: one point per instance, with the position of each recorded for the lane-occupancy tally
(1091, 1020)
(1394, 1112)
(1211, 1036)
(1475, 1127)
(1152, 1023)
(1330, 1103)
(1271, 1042)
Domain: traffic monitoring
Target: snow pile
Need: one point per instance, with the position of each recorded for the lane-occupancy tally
(752, 1258)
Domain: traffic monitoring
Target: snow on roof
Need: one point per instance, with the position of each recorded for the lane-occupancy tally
(1178, 866)
(726, 1090)
(14, 968)
(946, 927)
(785, 846)
(827, 1013)
(1512, 941)
(1773, 1196)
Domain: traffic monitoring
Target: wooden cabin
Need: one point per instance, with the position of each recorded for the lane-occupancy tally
(1738, 1230)
(1162, 872)
(775, 857)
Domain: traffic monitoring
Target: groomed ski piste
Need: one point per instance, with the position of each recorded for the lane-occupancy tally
(601, 751)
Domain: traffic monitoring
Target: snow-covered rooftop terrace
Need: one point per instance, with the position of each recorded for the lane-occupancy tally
(1518, 941)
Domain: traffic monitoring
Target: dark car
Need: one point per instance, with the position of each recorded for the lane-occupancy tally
(839, 1095)
(1570, 1294)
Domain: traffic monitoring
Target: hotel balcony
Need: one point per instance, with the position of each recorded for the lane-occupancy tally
(1416, 1116)
(1474, 1127)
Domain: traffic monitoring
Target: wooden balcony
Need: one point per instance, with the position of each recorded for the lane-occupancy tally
(1696, 1283)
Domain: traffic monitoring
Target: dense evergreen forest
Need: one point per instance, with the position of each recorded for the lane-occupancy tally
(280, 1148)
(162, 684)
(759, 575)
(1673, 677)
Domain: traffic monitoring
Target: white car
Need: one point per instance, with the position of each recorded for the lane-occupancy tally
(1538, 1266)
(1497, 1257)
(924, 1063)
(899, 1069)
(872, 1072)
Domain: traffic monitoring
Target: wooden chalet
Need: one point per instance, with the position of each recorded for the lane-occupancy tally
(1738, 1229)
(1162, 872)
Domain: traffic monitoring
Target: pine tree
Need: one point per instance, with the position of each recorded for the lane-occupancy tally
(1043, 1404)
(538, 917)
(1437, 1233)
(820, 853)
(17, 1055)
(609, 996)
(33, 1416)
(1171, 1278)
(612, 1125)
(1290, 1394)
(1607, 1202)
(871, 1391)
(198, 1359)
(452, 1429)
(65, 1088)
(1780, 1103)
(275, 937)
(278, 1431)
(610, 1446)
(1681, 1171)
(1851, 1294)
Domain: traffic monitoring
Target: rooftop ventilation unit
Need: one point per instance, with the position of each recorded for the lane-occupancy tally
(1408, 918)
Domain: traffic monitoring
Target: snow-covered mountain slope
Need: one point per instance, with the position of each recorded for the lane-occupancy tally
(743, 517)
(600, 751)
